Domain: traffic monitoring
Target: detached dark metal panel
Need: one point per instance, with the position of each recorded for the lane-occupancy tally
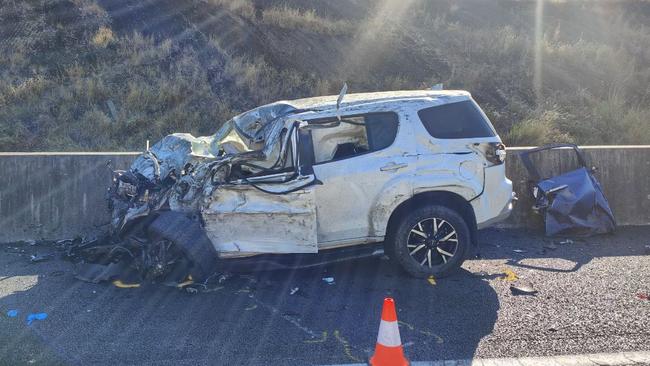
(623, 173)
(572, 202)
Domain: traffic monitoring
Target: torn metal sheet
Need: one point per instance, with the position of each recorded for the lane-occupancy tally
(572, 202)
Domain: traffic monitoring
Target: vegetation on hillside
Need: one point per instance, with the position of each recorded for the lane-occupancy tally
(78, 75)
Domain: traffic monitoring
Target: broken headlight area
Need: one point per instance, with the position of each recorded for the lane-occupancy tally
(571, 201)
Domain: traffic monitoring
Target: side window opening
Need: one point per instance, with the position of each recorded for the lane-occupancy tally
(355, 135)
(455, 121)
(276, 163)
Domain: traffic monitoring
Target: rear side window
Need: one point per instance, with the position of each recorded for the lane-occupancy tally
(455, 121)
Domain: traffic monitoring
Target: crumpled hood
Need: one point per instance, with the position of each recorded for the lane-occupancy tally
(173, 152)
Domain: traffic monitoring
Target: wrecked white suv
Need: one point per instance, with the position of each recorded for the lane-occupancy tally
(420, 171)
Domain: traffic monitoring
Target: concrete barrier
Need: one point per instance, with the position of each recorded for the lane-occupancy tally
(55, 195)
(61, 195)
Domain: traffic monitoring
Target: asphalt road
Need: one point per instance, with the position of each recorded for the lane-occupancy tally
(586, 303)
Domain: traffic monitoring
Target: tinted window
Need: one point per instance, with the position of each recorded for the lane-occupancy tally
(381, 129)
(455, 121)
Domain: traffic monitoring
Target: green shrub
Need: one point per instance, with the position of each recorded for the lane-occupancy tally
(538, 129)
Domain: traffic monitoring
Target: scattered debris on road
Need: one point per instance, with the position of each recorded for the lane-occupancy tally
(120, 284)
(14, 250)
(571, 202)
(96, 273)
(329, 280)
(431, 280)
(510, 275)
(35, 258)
(223, 277)
(188, 281)
(36, 316)
(519, 251)
(522, 288)
(293, 291)
(567, 241)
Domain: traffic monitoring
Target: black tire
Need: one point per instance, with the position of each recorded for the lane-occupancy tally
(435, 263)
(190, 238)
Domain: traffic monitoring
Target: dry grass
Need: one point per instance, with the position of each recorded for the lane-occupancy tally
(305, 20)
(103, 37)
(242, 8)
(156, 88)
(56, 80)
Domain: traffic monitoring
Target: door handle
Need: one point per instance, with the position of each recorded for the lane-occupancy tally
(392, 167)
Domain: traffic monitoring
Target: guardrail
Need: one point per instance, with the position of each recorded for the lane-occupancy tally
(53, 195)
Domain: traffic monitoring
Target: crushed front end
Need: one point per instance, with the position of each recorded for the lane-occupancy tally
(169, 185)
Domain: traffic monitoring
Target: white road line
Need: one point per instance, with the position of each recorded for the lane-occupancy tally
(592, 359)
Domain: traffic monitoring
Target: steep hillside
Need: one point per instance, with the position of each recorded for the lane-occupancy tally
(110, 74)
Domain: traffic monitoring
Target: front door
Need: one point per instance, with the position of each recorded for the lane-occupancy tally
(271, 212)
(263, 218)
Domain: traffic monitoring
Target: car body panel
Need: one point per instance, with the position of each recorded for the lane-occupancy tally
(332, 204)
(237, 214)
(354, 188)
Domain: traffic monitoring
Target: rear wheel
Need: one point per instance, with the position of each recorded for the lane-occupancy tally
(430, 241)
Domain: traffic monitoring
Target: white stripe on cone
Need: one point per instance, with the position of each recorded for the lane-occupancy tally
(389, 334)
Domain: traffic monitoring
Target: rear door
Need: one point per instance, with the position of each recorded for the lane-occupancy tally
(453, 142)
(355, 162)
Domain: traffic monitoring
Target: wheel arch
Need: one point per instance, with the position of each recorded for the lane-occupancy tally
(448, 199)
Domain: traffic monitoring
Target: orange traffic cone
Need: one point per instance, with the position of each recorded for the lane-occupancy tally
(388, 351)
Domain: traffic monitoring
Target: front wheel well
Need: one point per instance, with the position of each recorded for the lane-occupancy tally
(443, 198)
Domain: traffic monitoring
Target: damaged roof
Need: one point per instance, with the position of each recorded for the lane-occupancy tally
(329, 101)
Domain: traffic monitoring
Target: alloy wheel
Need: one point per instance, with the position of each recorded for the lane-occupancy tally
(432, 242)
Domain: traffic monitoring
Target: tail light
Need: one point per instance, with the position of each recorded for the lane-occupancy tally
(496, 153)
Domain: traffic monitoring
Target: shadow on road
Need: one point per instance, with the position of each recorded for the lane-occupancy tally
(248, 319)
(272, 317)
(521, 248)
